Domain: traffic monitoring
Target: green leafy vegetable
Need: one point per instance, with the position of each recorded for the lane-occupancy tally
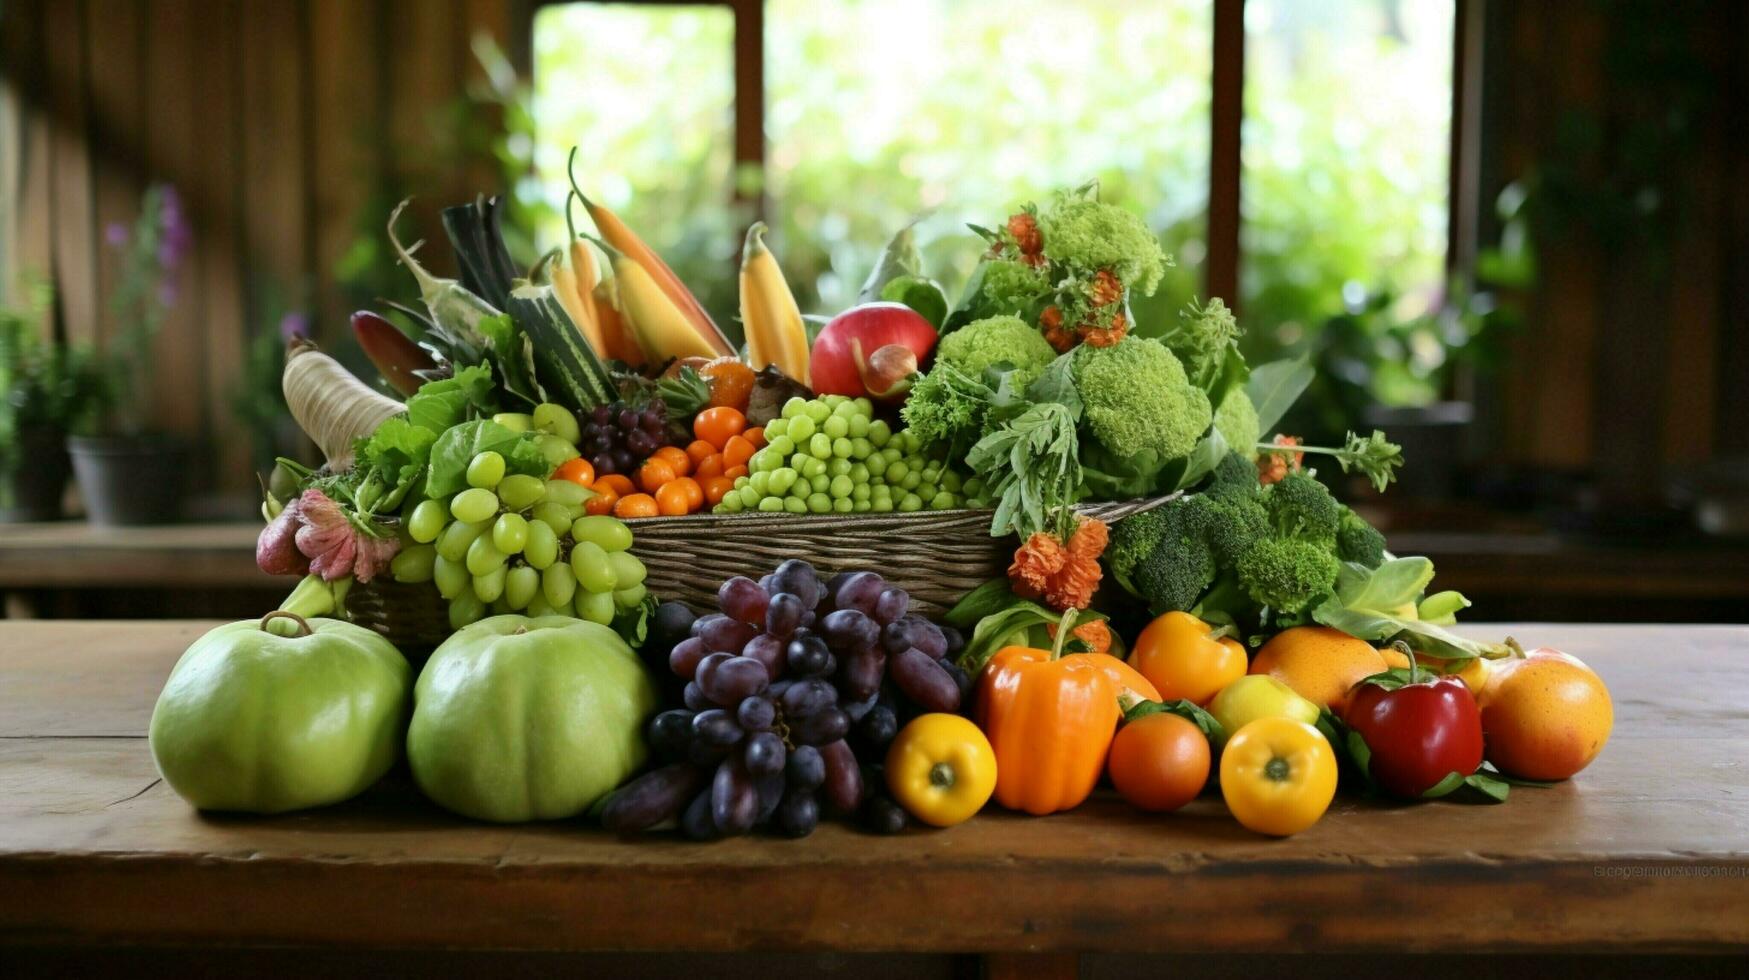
(1274, 387)
(1380, 605)
(1003, 619)
(920, 294)
(1032, 466)
(458, 446)
(438, 405)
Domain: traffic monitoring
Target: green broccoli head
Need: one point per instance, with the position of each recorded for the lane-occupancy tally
(982, 343)
(1087, 236)
(1236, 420)
(1235, 476)
(1010, 287)
(1287, 574)
(1132, 540)
(1301, 508)
(1358, 541)
(1182, 564)
(1203, 337)
(1138, 400)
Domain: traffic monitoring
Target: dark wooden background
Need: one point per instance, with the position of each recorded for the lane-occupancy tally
(276, 120)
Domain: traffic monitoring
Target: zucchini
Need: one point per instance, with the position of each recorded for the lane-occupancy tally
(562, 361)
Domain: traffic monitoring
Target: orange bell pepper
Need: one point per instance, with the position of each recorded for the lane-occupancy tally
(1051, 719)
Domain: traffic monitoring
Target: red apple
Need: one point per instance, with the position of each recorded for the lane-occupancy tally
(873, 349)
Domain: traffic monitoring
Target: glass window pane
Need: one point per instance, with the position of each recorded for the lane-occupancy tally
(647, 94)
(879, 110)
(1347, 139)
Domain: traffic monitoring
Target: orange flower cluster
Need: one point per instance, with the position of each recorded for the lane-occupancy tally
(1272, 466)
(1101, 326)
(1094, 632)
(1023, 227)
(1064, 576)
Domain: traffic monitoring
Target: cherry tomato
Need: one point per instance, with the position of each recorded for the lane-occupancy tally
(756, 436)
(636, 505)
(735, 472)
(578, 471)
(716, 487)
(736, 451)
(601, 503)
(709, 466)
(619, 483)
(698, 449)
(676, 457)
(654, 473)
(1159, 762)
(718, 425)
(672, 498)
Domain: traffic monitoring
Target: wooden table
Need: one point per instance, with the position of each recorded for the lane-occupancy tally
(1646, 851)
(66, 569)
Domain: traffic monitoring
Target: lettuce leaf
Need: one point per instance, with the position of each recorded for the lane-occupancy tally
(443, 404)
(458, 446)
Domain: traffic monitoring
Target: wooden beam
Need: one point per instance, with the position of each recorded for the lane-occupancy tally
(1226, 112)
(750, 97)
(1465, 172)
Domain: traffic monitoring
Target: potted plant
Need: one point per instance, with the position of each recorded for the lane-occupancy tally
(129, 473)
(50, 390)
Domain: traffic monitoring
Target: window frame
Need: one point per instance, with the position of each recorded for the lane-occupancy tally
(1226, 123)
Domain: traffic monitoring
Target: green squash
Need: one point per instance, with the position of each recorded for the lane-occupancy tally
(528, 719)
(265, 717)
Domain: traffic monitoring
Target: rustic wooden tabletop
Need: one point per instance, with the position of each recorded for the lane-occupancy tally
(1648, 850)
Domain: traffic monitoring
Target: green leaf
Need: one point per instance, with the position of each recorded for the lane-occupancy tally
(438, 405)
(1362, 606)
(920, 294)
(1012, 624)
(1209, 452)
(991, 597)
(1188, 710)
(1274, 387)
(1394, 584)
(458, 446)
(1057, 384)
(1444, 787)
(898, 260)
(1494, 789)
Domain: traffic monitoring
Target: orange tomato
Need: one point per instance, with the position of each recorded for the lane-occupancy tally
(619, 483)
(602, 503)
(1159, 762)
(676, 457)
(709, 466)
(735, 472)
(756, 436)
(718, 425)
(578, 471)
(655, 472)
(716, 487)
(672, 498)
(636, 505)
(694, 492)
(698, 449)
(730, 382)
(737, 450)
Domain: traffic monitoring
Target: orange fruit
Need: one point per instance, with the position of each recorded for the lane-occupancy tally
(718, 425)
(756, 436)
(730, 382)
(578, 471)
(716, 487)
(619, 483)
(1545, 716)
(672, 499)
(601, 503)
(1318, 662)
(636, 505)
(709, 466)
(735, 472)
(676, 457)
(694, 492)
(737, 450)
(655, 472)
(698, 449)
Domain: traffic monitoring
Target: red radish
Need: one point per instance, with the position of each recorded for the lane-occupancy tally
(873, 349)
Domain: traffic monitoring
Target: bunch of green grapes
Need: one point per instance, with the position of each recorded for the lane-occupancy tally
(518, 543)
(830, 455)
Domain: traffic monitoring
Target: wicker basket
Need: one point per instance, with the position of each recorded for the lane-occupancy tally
(937, 556)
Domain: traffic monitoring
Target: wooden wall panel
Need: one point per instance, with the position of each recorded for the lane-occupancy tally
(115, 57)
(29, 235)
(348, 78)
(74, 261)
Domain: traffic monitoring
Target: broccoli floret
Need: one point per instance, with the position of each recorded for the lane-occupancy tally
(1236, 420)
(1203, 338)
(1134, 538)
(1300, 507)
(1087, 236)
(1010, 287)
(1287, 574)
(1235, 476)
(982, 343)
(1183, 563)
(1358, 541)
(1138, 400)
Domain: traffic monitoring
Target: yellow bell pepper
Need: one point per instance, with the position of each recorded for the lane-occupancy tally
(941, 768)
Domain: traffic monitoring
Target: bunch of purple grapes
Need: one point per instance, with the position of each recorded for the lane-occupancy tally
(618, 437)
(793, 689)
